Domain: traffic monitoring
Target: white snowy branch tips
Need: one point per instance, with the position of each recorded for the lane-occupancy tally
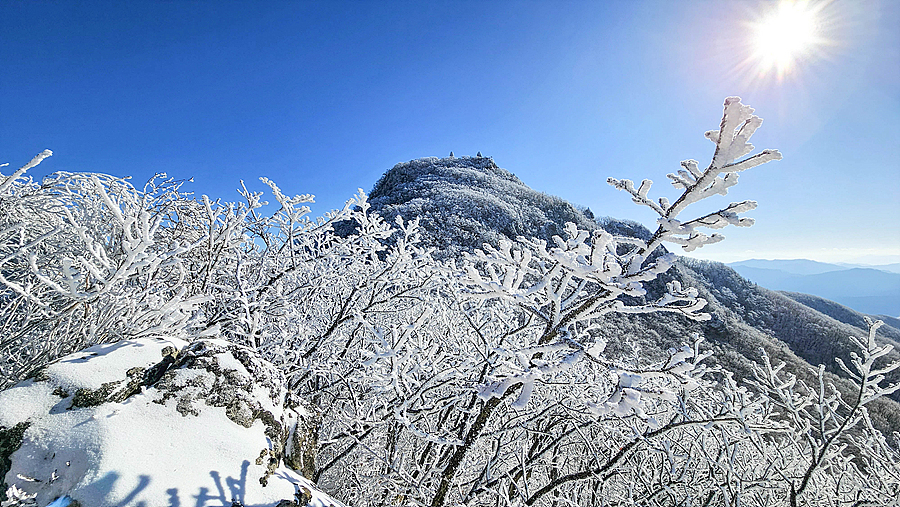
(589, 274)
(6, 182)
(568, 285)
(732, 142)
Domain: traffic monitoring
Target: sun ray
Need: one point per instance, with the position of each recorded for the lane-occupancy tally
(785, 36)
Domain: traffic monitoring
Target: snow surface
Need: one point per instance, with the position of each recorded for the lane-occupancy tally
(27, 400)
(139, 452)
(109, 362)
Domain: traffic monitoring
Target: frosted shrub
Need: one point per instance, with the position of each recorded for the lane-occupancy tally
(87, 258)
(484, 380)
(558, 401)
(494, 388)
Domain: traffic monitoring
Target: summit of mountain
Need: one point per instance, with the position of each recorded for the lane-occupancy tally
(464, 202)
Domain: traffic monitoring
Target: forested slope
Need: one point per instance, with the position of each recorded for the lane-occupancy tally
(464, 202)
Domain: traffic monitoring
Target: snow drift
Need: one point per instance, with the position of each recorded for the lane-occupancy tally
(156, 422)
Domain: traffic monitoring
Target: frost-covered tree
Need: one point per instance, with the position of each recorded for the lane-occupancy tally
(552, 297)
(87, 258)
(485, 380)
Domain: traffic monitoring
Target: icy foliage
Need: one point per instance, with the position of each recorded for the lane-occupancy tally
(821, 420)
(732, 142)
(489, 379)
(747, 316)
(87, 258)
(584, 275)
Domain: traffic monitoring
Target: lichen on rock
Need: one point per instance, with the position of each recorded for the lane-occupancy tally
(10, 441)
(85, 397)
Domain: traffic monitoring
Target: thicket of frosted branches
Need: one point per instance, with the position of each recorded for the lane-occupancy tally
(484, 380)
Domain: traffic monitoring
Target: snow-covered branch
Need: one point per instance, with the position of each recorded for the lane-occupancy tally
(493, 379)
(732, 142)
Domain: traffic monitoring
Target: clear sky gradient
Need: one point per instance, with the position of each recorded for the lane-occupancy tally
(323, 97)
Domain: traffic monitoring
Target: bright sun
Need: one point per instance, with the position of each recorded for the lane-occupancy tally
(788, 34)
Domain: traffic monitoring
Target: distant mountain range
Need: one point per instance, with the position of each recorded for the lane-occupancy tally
(893, 268)
(873, 290)
(808, 267)
(463, 202)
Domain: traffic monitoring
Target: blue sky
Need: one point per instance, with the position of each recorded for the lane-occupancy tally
(323, 97)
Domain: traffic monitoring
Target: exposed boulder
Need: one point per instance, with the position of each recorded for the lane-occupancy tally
(158, 422)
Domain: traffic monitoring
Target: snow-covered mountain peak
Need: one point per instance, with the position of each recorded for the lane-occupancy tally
(464, 169)
(464, 202)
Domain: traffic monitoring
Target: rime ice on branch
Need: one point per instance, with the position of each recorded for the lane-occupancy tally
(732, 142)
(550, 280)
(576, 280)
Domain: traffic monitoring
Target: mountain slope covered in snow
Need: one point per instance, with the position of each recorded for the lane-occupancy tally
(464, 202)
(467, 201)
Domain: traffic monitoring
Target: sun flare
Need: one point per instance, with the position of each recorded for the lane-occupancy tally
(786, 36)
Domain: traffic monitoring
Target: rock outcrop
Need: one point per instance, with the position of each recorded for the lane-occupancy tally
(157, 422)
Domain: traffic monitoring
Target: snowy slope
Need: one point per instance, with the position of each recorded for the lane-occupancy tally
(87, 436)
(464, 202)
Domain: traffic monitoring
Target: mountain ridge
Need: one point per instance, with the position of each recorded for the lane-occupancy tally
(868, 290)
(464, 202)
(797, 266)
(794, 266)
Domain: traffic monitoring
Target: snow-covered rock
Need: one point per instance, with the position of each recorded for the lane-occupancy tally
(157, 422)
